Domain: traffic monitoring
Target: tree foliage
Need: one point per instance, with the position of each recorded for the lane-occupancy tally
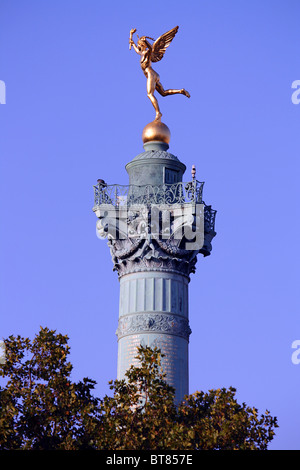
(41, 408)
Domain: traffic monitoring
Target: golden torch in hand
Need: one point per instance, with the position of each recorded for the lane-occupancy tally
(132, 31)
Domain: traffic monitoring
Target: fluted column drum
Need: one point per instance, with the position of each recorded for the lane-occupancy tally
(154, 312)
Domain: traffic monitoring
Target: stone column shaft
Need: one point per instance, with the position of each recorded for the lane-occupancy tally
(154, 312)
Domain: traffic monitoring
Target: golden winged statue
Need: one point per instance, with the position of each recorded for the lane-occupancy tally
(154, 53)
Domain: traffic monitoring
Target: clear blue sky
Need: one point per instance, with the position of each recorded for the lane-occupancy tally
(75, 108)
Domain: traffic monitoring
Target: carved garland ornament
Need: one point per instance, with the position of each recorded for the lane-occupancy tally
(154, 323)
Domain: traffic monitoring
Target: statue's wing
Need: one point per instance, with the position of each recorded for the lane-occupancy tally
(160, 45)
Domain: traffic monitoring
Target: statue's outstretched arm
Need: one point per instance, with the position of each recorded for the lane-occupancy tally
(131, 41)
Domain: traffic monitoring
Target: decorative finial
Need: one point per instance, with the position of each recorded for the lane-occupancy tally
(101, 182)
(154, 53)
(193, 171)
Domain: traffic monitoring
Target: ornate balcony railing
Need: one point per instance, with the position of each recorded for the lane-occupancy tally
(176, 193)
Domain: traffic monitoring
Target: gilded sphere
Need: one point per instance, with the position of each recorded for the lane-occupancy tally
(156, 131)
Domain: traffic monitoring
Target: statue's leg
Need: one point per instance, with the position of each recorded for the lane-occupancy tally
(164, 92)
(151, 84)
